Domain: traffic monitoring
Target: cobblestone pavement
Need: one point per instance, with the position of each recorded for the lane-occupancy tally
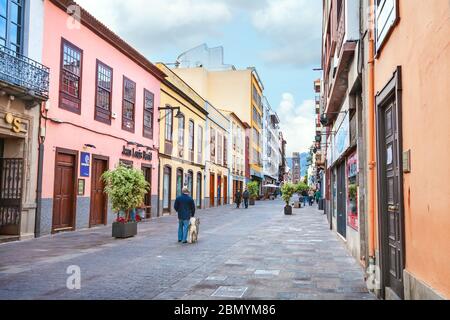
(242, 254)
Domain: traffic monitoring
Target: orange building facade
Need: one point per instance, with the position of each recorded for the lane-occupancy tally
(412, 120)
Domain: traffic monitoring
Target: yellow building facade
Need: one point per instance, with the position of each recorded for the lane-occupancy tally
(182, 142)
(239, 91)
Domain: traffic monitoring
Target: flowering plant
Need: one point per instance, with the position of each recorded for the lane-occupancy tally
(122, 219)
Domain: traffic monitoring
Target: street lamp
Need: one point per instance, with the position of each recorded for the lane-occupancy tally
(178, 115)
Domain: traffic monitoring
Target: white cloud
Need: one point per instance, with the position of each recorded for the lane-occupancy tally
(150, 25)
(297, 123)
(294, 26)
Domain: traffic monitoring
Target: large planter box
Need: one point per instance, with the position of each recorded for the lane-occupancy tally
(252, 202)
(288, 210)
(124, 230)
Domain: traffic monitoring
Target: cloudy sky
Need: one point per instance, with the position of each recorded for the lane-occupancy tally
(281, 38)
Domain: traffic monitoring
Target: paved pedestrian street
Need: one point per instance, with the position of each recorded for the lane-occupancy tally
(242, 254)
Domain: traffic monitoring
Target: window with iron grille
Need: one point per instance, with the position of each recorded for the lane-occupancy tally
(200, 144)
(129, 104)
(103, 93)
(212, 143)
(70, 78)
(149, 105)
(181, 126)
(219, 149)
(225, 151)
(169, 126)
(191, 135)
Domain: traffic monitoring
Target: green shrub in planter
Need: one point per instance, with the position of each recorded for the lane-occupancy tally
(126, 189)
(288, 190)
(253, 189)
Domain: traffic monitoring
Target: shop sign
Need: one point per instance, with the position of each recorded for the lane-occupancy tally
(342, 138)
(85, 164)
(330, 152)
(17, 125)
(137, 154)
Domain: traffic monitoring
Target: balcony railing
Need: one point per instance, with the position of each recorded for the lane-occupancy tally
(25, 73)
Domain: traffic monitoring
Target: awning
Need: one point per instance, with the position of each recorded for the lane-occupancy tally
(270, 186)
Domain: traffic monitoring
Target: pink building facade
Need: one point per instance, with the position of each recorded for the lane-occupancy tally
(102, 111)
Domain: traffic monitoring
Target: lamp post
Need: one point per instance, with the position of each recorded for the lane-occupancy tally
(178, 109)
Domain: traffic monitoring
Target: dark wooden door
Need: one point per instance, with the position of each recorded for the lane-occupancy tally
(147, 171)
(211, 189)
(98, 197)
(64, 192)
(225, 190)
(234, 191)
(219, 190)
(341, 201)
(391, 200)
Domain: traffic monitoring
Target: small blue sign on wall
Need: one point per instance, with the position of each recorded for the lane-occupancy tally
(85, 164)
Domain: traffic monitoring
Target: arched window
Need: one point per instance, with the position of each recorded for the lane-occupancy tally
(190, 182)
(179, 182)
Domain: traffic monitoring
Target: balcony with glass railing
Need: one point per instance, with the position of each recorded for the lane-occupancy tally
(22, 76)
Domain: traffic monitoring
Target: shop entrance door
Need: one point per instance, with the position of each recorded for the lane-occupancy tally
(225, 190)
(11, 179)
(98, 197)
(219, 190)
(211, 190)
(391, 197)
(64, 191)
(341, 201)
(147, 171)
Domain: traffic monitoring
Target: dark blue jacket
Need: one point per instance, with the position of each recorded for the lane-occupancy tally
(185, 206)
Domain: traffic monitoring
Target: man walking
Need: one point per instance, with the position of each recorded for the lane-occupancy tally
(246, 196)
(238, 197)
(185, 206)
(305, 197)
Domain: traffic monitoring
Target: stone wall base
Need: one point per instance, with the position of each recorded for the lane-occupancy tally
(416, 289)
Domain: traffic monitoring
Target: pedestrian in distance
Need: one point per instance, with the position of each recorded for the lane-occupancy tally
(318, 196)
(311, 197)
(185, 207)
(246, 197)
(238, 199)
(304, 197)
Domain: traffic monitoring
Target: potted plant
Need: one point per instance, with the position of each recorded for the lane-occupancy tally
(126, 189)
(300, 188)
(253, 189)
(288, 191)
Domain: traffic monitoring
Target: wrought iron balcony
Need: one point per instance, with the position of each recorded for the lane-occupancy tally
(23, 76)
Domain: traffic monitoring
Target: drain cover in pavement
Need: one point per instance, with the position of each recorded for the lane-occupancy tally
(230, 292)
(267, 272)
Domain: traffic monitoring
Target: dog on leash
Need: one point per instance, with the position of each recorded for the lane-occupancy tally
(194, 226)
